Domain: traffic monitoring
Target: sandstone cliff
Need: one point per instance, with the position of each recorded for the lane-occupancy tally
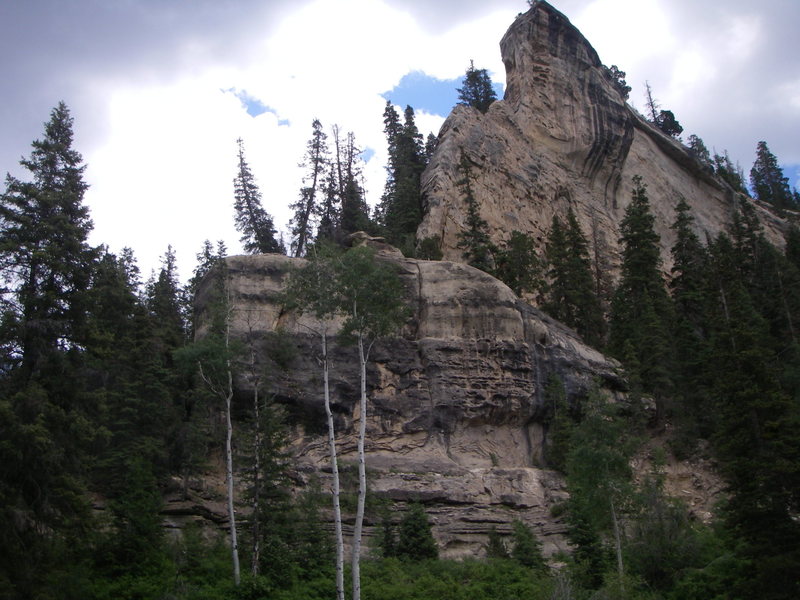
(564, 136)
(457, 410)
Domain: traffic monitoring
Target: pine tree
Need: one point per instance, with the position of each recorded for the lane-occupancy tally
(767, 180)
(479, 250)
(46, 416)
(43, 247)
(755, 437)
(526, 549)
(252, 221)
(166, 303)
(415, 540)
(688, 286)
(401, 205)
(728, 172)
(640, 309)
(698, 150)
(495, 546)
(518, 264)
(307, 207)
(476, 90)
(354, 212)
(571, 297)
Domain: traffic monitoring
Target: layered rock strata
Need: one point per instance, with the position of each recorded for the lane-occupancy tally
(457, 411)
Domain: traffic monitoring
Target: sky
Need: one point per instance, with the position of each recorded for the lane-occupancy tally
(161, 89)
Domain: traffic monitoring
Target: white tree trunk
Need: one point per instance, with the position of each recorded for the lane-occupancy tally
(617, 545)
(362, 474)
(254, 566)
(229, 477)
(337, 511)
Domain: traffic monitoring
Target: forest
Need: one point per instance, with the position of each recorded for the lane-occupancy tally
(108, 401)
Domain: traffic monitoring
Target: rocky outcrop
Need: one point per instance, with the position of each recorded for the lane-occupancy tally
(457, 413)
(457, 410)
(564, 136)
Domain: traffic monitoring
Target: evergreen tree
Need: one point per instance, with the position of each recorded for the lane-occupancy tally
(518, 265)
(617, 77)
(667, 123)
(495, 546)
(755, 438)
(415, 540)
(252, 221)
(401, 205)
(728, 172)
(430, 147)
(698, 150)
(688, 286)
(166, 304)
(307, 207)
(46, 415)
(355, 212)
(479, 250)
(767, 180)
(329, 209)
(571, 295)
(526, 549)
(476, 90)
(44, 255)
(640, 309)
(663, 119)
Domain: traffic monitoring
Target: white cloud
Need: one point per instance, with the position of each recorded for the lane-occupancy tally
(159, 133)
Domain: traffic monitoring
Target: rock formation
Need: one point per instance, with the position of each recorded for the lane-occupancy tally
(457, 409)
(564, 136)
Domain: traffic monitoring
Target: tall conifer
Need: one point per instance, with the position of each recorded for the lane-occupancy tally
(252, 221)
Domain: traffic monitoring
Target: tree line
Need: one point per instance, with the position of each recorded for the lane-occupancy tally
(101, 390)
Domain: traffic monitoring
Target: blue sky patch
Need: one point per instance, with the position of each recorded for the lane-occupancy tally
(367, 154)
(793, 173)
(254, 106)
(424, 92)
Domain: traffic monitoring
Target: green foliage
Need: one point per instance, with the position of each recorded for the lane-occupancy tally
(44, 257)
(495, 546)
(667, 123)
(401, 204)
(768, 181)
(518, 264)
(525, 548)
(479, 250)
(429, 248)
(476, 90)
(617, 78)
(641, 312)
(370, 294)
(571, 296)
(315, 161)
(728, 172)
(560, 423)
(414, 539)
(251, 220)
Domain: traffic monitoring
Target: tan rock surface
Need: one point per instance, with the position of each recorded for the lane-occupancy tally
(564, 136)
(456, 401)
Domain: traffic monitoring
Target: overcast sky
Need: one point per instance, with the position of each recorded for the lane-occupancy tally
(161, 89)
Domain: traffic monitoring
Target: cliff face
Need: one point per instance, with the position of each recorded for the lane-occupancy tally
(457, 401)
(564, 136)
(457, 412)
